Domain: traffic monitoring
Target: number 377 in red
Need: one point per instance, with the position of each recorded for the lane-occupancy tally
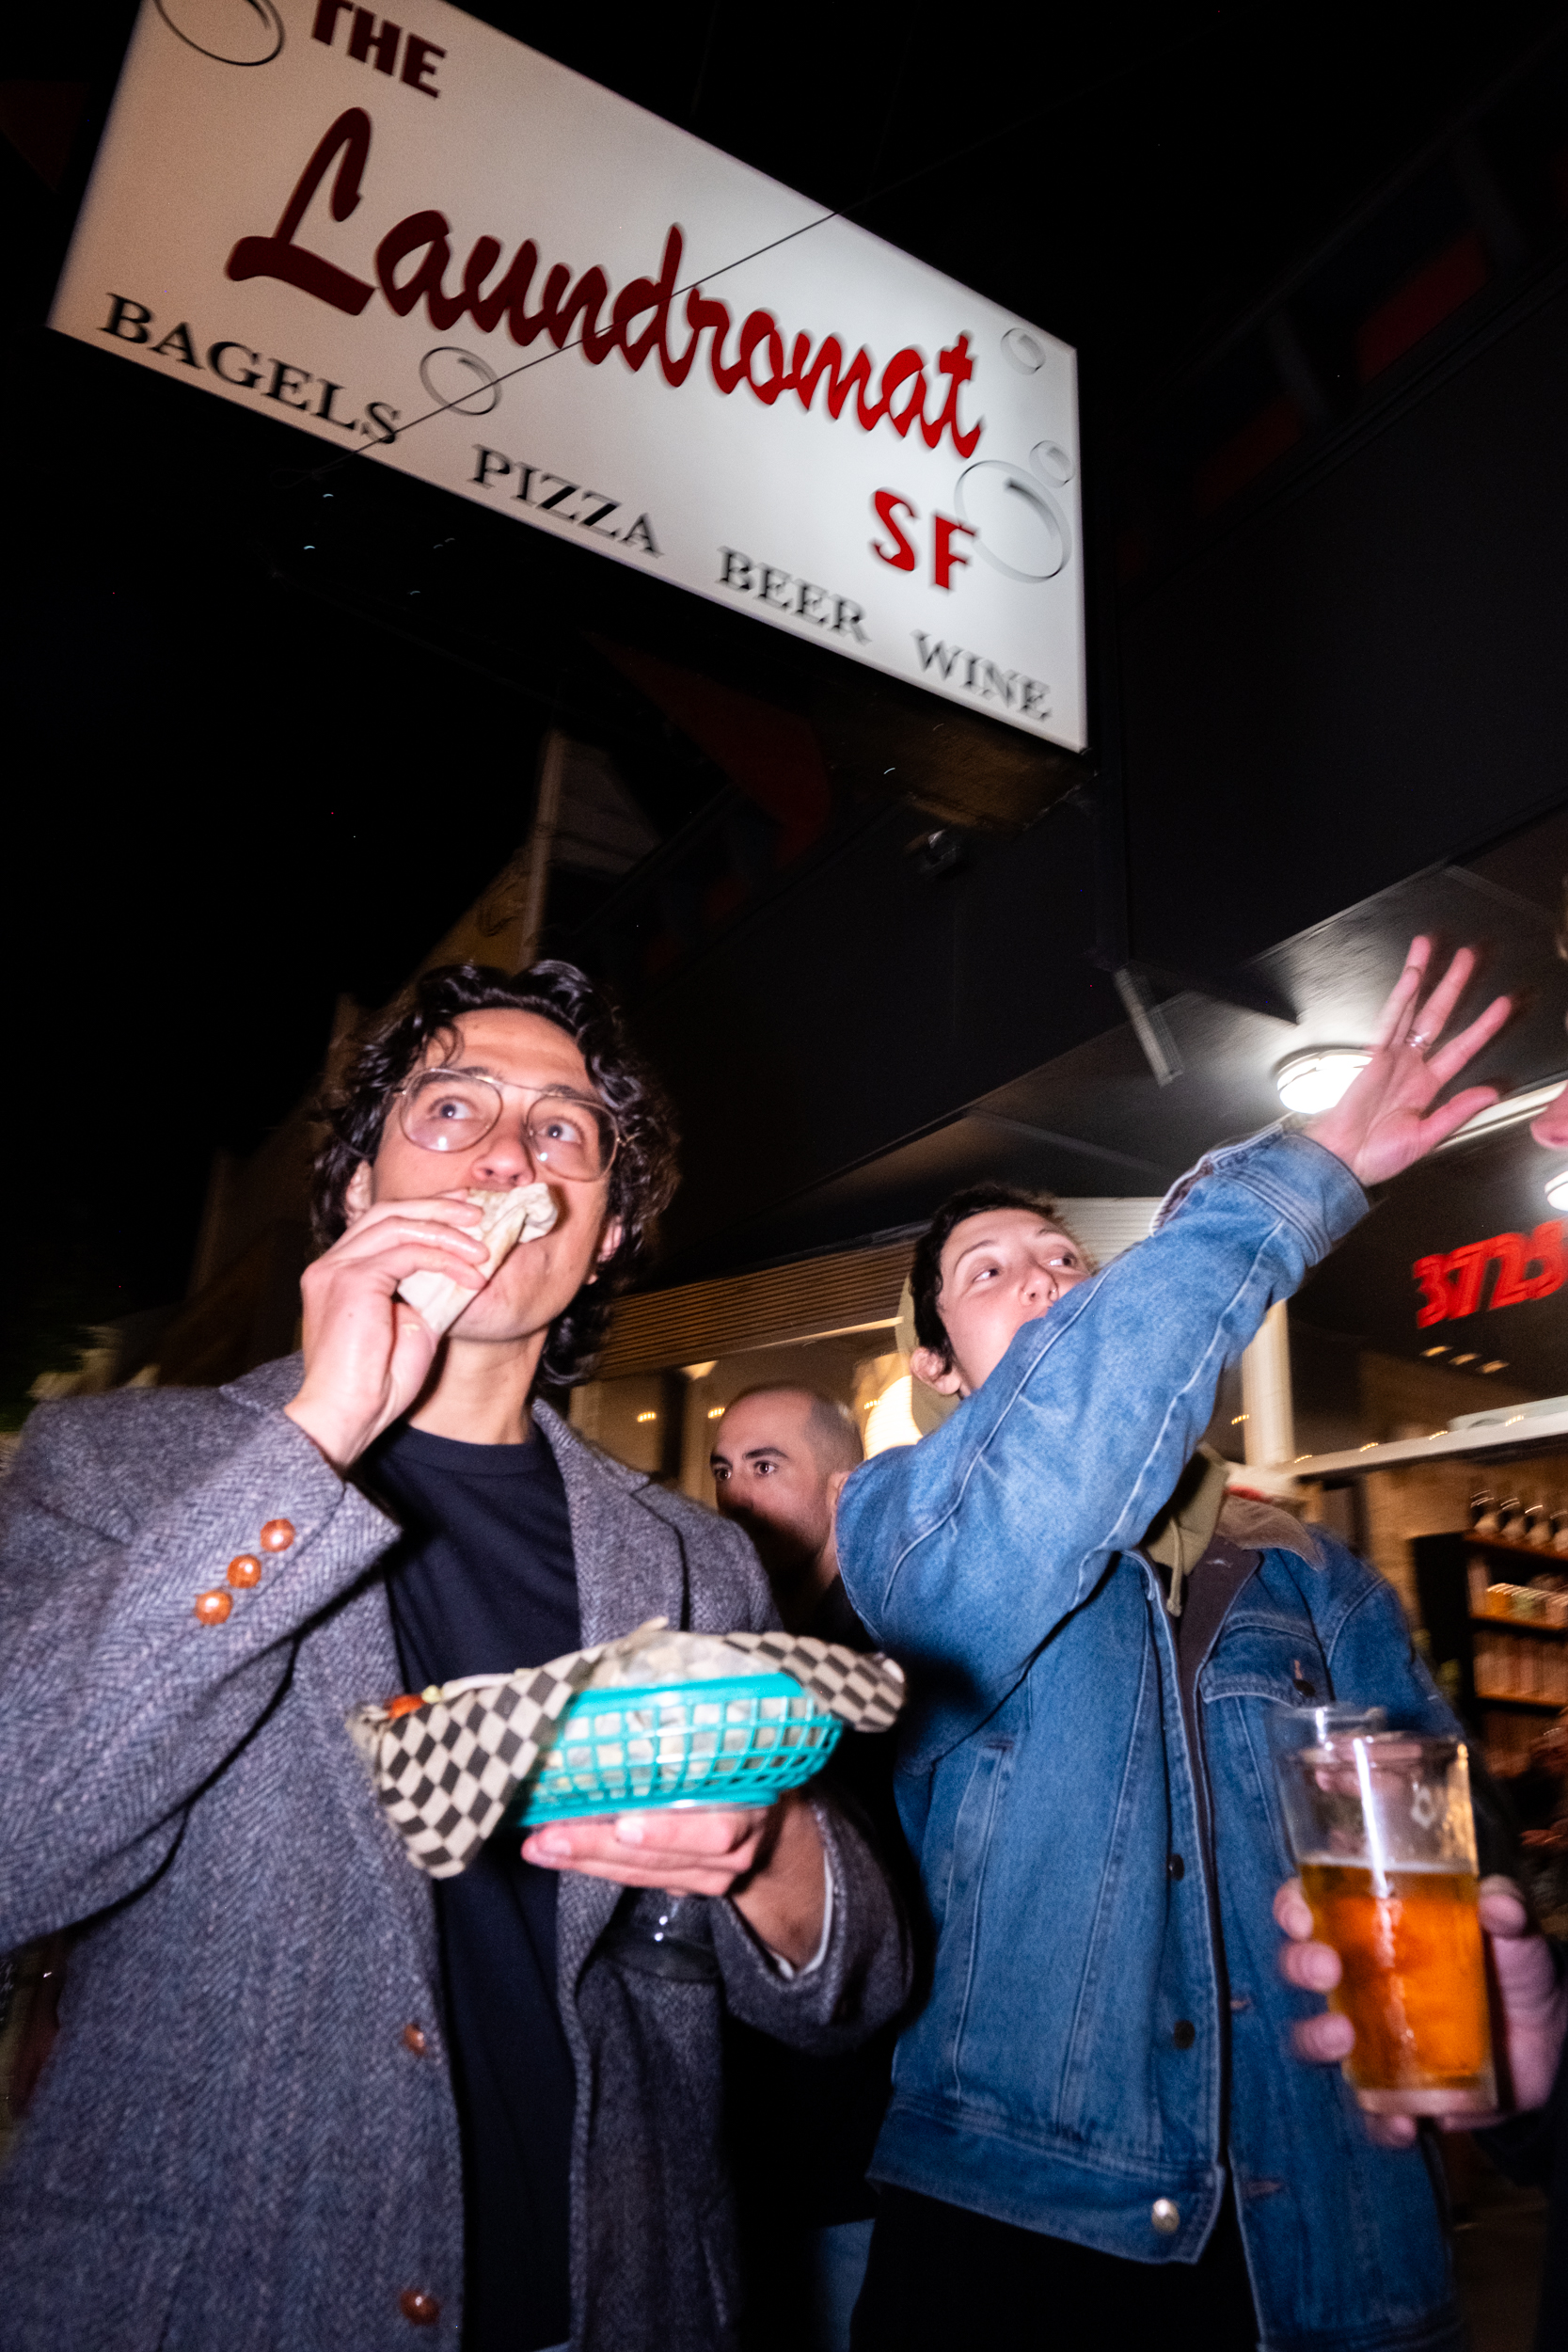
(1451, 1284)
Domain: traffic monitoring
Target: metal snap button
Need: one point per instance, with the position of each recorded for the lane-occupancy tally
(1166, 2216)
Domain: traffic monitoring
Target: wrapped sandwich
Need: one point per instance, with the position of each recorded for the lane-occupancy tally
(506, 1219)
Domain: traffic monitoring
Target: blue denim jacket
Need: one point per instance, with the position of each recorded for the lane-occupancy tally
(1088, 2054)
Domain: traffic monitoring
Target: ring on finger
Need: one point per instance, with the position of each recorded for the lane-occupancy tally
(1418, 1041)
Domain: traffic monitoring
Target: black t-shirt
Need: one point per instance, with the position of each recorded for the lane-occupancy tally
(803, 2128)
(484, 1579)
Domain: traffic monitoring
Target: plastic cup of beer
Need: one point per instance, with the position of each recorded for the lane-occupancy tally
(1383, 1834)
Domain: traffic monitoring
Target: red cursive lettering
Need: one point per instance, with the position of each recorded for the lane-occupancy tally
(575, 312)
(278, 256)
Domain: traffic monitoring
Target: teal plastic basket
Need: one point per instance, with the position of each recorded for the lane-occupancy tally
(741, 1740)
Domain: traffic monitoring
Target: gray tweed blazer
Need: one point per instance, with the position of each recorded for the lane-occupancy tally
(234, 2147)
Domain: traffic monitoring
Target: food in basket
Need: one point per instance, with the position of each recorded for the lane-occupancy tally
(506, 1218)
(653, 1718)
(699, 1725)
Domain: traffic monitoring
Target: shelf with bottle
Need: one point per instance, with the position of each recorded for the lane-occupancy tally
(1545, 1553)
(1509, 1670)
(1510, 1525)
(1500, 1591)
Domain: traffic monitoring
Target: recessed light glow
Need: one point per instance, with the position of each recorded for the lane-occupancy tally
(1498, 1364)
(715, 1412)
(1556, 1190)
(1314, 1082)
(1466, 1359)
(648, 1416)
(1437, 1351)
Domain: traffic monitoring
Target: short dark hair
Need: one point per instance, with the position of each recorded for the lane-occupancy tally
(830, 1425)
(643, 1177)
(925, 1271)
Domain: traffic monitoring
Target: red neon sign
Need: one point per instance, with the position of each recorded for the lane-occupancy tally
(1450, 1284)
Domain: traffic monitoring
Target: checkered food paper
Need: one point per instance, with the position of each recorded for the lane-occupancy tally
(447, 1768)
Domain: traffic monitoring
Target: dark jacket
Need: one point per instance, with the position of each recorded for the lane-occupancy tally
(236, 2141)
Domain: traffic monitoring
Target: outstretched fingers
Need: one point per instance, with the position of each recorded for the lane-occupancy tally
(1447, 1119)
(1395, 1017)
(1452, 1058)
(1431, 1019)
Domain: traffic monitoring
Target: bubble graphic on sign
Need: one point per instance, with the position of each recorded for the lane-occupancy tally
(456, 378)
(1019, 528)
(1051, 462)
(232, 32)
(1025, 351)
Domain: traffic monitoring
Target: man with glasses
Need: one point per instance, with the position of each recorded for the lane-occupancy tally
(303, 2095)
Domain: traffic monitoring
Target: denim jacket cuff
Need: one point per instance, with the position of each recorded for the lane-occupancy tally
(1301, 1179)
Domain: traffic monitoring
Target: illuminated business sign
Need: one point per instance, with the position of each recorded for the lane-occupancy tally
(426, 244)
(1451, 1284)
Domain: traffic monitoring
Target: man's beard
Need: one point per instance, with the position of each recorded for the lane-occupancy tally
(788, 1556)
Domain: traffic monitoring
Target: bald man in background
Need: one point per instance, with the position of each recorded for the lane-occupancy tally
(802, 2133)
(780, 1458)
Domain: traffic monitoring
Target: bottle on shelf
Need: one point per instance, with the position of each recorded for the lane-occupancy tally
(1484, 1513)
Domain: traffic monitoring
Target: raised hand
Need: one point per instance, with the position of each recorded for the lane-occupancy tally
(1534, 2004)
(367, 1353)
(1383, 1123)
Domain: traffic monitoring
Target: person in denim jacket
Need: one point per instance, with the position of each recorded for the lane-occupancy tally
(1090, 2126)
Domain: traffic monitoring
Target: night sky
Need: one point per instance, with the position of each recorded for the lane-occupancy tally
(232, 802)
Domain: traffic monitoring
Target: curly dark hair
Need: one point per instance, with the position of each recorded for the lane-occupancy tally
(642, 1178)
(925, 1270)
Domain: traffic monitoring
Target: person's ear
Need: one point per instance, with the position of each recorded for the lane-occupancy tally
(835, 1488)
(931, 1373)
(610, 1241)
(359, 1192)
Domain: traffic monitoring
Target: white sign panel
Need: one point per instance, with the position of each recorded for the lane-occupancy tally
(424, 243)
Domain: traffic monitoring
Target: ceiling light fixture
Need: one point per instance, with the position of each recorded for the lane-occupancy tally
(1315, 1081)
(1441, 1350)
(1556, 1190)
(1498, 1364)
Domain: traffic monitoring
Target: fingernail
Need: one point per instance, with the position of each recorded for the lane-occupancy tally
(628, 1830)
(552, 1841)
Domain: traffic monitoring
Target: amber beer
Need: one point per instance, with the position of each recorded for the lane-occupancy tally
(1414, 1984)
(1383, 1836)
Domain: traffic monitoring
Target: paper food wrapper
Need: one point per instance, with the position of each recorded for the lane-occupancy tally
(447, 1764)
(509, 1217)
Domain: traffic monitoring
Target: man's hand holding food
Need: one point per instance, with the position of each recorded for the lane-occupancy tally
(767, 1863)
(368, 1355)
